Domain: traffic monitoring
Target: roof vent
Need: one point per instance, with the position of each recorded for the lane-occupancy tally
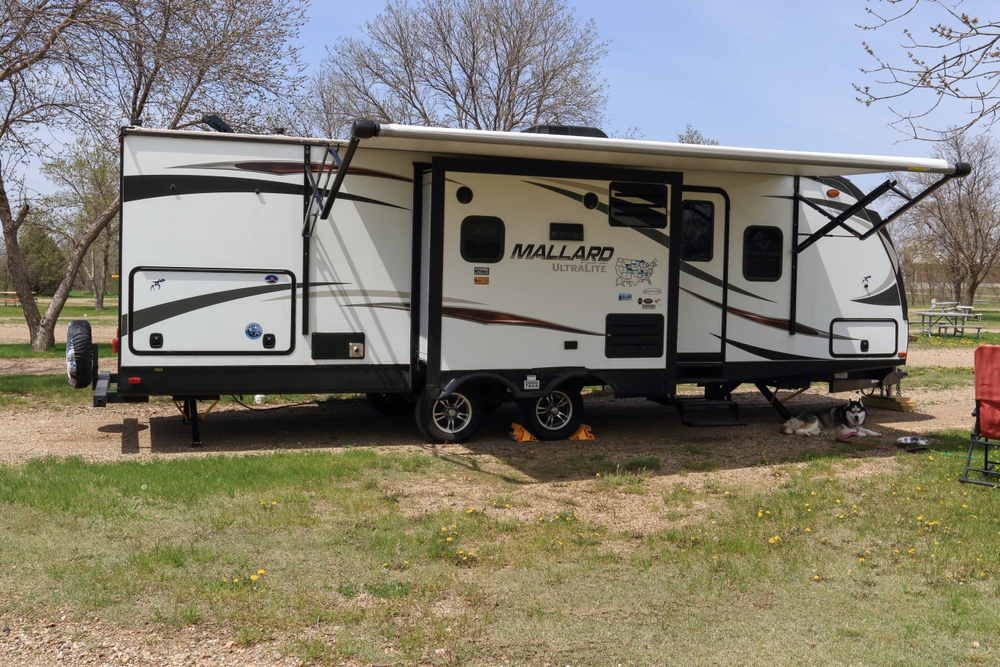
(568, 130)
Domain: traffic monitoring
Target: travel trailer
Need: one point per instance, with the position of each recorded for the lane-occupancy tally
(452, 270)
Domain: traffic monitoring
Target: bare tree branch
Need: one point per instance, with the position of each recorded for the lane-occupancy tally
(958, 60)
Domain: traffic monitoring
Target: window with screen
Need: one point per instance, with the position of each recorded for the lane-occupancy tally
(637, 205)
(698, 240)
(482, 239)
(762, 253)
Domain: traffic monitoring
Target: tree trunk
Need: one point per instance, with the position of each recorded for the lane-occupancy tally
(970, 294)
(15, 267)
(100, 279)
(43, 337)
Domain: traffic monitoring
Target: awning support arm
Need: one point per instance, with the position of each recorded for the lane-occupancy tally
(360, 129)
(961, 169)
(847, 215)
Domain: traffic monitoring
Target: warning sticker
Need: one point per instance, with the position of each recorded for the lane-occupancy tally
(482, 280)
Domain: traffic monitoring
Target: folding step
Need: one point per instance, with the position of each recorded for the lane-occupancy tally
(701, 412)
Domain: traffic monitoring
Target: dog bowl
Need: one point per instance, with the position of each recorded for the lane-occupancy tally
(912, 442)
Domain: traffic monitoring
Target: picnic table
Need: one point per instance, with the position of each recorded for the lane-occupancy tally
(969, 309)
(956, 320)
(943, 305)
(11, 297)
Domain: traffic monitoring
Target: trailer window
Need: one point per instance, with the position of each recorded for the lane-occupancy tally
(482, 239)
(698, 232)
(762, 253)
(638, 205)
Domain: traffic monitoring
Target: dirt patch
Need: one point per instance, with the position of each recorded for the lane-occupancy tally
(23, 366)
(949, 356)
(18, 333)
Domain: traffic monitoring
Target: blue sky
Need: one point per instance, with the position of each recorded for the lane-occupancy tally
(766, 73)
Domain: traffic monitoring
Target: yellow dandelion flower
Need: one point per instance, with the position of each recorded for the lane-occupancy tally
(235, 580)
(460, 552)
(559, 542)
(470, 510)
(449, 539)
(920, 518)
(862, 559)
(815, 576)
(465, 558)
(253, 577)
(837, 501)
(930, 458)
(982, 574)
(808, 530)
(260, 571)
(263, 503)
(385, 565)
(454, 526)
(770, 540)
(759, 514)
(444, 529)
(274, 502)
(507, 505)
(598, 474)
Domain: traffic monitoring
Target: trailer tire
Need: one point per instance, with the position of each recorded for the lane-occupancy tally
(553, 417)
(391, 405)
(79, 360)
(454, 418)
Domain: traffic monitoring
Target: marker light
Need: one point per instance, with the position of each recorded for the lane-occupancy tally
(115, 341)
(902, 355)
(832, 193)
(134, 380)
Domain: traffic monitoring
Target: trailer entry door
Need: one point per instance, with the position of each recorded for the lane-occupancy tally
(702, 276)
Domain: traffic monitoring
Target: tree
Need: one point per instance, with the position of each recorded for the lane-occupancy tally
(44, 261)
(168, 61)
(693, 136)
(959, 60)
(86, 179)
(482, 64)
(959, 223)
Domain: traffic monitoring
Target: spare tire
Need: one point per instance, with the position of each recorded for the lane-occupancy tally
(79, 360)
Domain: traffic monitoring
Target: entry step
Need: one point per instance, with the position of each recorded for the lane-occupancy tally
(702, 412)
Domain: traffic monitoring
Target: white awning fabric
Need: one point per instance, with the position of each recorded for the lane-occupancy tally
(645, 154)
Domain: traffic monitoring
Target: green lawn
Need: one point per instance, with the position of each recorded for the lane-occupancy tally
(824, 564)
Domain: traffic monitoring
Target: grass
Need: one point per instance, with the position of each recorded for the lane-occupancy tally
(938, 377)
(23, 390)
(24, 351)
(71, 311)
(820, 565)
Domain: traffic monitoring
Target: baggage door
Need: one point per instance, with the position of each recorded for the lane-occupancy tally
(702, 299)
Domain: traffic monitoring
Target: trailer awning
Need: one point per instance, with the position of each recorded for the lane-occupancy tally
(649, 154)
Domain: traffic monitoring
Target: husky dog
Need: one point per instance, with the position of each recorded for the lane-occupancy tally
(841, 421)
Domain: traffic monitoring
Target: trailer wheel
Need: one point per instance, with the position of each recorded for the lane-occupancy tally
(391, 405)
(552, 417)
(454, 418)
(79, 363)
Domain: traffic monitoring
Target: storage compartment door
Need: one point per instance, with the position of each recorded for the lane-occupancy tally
(211, 311)
(863, 338)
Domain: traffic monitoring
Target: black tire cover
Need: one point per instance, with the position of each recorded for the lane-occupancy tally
(79, 362)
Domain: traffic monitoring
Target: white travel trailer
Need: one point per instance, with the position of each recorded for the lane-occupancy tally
(456, 269)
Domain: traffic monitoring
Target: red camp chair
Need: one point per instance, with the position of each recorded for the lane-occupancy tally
(986, 433)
